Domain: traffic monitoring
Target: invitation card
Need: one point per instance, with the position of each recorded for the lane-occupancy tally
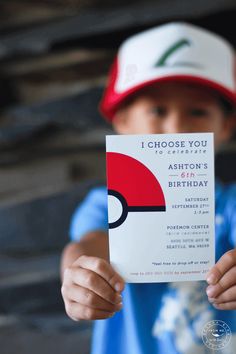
(161, 206)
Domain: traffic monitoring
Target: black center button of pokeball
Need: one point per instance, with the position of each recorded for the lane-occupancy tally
(126, 208)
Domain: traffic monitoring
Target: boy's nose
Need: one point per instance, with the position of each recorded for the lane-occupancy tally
(175, 122)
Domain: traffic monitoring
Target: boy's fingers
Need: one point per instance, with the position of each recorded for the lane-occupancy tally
(227, 296)
(91, 281)
(103, 268)
(86, 297)
(225, 282)
(80, 312)
(226, 306)
(227, 261)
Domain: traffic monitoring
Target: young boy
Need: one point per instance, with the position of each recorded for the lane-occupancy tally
(175, 78)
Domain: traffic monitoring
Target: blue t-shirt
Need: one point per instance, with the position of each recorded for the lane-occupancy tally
(161, 318)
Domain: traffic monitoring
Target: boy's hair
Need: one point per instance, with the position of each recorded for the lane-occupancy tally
(171, 52)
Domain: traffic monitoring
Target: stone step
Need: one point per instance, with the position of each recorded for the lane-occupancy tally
(37, 225)
(105, 23)
(44, 335)
(30, 284)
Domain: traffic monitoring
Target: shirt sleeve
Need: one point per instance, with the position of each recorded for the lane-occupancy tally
(90, 215)
(231, 214)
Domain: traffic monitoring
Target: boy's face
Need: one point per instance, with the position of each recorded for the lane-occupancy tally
(174, 108)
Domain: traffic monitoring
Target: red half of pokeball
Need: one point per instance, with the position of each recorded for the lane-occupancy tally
(134, 185)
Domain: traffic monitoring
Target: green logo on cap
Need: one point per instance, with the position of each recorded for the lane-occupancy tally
(175, 47)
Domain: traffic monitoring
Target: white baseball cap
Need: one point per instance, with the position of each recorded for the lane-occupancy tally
(171, 52)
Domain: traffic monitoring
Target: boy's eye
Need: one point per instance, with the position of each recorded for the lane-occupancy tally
(158, 111)
(198, 112)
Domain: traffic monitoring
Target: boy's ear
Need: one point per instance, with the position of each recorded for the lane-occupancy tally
(119, 121)
(229, 127)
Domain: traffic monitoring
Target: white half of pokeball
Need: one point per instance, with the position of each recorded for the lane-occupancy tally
(115, 209)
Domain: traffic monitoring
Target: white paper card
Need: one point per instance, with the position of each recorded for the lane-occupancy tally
(161, 206)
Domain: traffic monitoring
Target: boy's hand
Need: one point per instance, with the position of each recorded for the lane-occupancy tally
(222, 282)
(91, 289)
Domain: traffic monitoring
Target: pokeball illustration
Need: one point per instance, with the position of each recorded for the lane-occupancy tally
(132, 187)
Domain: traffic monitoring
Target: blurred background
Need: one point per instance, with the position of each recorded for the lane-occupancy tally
(54, 57)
